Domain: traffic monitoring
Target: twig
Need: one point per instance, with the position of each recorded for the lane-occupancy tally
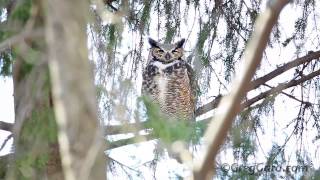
(121, 164)
(289, 95)
(5, 141)
(230, 105)
(6, 126)
(107, 15)
(109, 3)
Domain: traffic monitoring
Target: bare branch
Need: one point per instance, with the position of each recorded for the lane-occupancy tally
(209, 106)
(290, 96)
(230, 105)
(130, 128)
(258, 82)
(280, 88)
(128, 141)
(262, 80)
(124, 128)
(109, 3)
(6, 126)
(118, 129)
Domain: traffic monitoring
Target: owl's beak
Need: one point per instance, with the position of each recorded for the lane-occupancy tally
(167, 56)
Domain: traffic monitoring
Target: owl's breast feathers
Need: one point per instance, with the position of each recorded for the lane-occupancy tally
(170, 85)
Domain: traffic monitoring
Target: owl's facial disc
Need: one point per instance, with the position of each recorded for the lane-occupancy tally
(166, 53)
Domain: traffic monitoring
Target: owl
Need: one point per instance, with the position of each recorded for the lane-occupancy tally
(169, 80)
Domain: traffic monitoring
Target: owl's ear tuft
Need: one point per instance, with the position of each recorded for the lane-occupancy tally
(152, 42)
(180, 43)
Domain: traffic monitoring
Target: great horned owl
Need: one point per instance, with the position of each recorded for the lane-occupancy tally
(169, 80)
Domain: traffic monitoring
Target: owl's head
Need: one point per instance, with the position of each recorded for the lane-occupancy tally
(166, 53)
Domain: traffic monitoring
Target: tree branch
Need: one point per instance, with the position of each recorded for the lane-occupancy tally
(6, 126)
(8, 43)
(109, 3)
(290, 96)
(73, 90)
(262, 80)
(258, 82)
(230, 105)
(127, 141)
(125, 128)
(118, 129)
(280, 88)
(132, 127)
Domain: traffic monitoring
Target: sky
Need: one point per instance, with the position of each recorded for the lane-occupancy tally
(6, 110)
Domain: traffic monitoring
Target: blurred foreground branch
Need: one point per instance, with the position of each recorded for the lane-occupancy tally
(79, 137)
(24, 35)
(230, 105)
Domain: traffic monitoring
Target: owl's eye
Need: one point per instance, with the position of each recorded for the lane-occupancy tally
(174, 51)
(160, 51)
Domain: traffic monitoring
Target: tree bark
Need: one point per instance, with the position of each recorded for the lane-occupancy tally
(74, 98)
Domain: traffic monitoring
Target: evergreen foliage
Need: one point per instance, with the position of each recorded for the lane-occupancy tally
(216, 33)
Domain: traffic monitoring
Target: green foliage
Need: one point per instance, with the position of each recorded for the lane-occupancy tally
(243, 138)
(145, 16)
(22, 11)
(19, 15)
(275, 158)
(28, 166)
(111, 33)
(229, 64)
(203, 35)
(266, 107)
(300, 27)
(37, 133)
(168, 130)
(222, 30)
(4, 34)
(41, 127)
(199, 130)
(172, 21)
(314, 175)
(5, 64)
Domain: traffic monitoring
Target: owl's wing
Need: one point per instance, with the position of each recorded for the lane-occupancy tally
(148, 86)
(145, 80)
(193, 83)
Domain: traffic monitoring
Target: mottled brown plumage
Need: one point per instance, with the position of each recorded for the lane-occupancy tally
(169, 80)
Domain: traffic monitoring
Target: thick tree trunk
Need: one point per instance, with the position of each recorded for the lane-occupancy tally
(74, 98)
(35, 154)
(34, 129)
